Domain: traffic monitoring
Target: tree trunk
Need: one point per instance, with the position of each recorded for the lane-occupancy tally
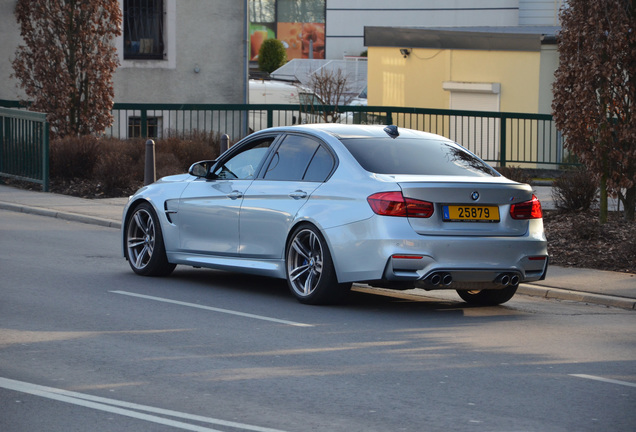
(630, 204)
(602, 217)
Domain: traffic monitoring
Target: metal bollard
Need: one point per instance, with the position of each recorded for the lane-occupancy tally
(225, 143)
(149, 169)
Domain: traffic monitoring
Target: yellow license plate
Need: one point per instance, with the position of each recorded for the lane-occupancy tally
(456, 213)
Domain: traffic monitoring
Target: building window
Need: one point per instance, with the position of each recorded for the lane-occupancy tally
(152, 127)
(299, 24)
(308, 11)
(262, 11)
(143, 29)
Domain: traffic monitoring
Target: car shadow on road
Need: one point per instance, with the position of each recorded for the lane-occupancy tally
(361, 298)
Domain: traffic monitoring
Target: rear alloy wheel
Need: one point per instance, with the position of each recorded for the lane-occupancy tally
(145, 250)
(489, 297)
(310, 272)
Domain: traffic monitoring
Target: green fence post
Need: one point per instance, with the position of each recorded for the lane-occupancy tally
(144, 123)
(270, 117)
(502, 142)
(45, 157)
(389, 117)
(4, 137)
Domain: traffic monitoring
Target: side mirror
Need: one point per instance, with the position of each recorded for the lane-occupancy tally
(201, 168)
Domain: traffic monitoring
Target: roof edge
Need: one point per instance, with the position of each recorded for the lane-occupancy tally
(404, 37)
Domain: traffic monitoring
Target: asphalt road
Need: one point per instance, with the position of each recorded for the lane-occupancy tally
(87, 345)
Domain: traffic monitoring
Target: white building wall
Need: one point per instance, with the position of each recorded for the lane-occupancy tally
(346, 19)
(10, 36)
(539, 12)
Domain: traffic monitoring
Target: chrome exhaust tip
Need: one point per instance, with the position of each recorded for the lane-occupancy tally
(503, 280)
(447, 279)
(514, 280)
(435, 279)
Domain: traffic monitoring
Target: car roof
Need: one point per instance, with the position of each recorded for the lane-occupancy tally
(362, 131)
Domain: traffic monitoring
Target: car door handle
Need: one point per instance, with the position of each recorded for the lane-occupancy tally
(235, 194)
(299, 194)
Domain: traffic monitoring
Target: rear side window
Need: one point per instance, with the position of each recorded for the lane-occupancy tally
(299, 158)
(413, 156)
(320, 167)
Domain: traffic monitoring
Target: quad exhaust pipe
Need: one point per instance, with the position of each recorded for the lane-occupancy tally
(446, 279)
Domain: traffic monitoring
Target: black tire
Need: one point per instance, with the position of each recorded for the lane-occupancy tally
(144, 247)
(489, 297)
(311, 276)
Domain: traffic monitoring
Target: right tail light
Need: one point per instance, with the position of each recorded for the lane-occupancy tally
(527, 209)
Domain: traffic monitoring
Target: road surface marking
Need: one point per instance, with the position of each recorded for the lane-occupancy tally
(110, 405)
(226, 311)
(607, 380)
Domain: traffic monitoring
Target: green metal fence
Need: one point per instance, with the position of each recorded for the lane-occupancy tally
(24, 146)
(526, 140)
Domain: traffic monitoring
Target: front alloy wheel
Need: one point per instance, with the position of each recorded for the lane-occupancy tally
(310, 273)
(145, 250)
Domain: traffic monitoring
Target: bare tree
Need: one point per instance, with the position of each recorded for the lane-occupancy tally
(67, 61)
(332, 88)
(595, 93)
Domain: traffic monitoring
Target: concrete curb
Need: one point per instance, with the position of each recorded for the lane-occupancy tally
(72, 217)
(577, 296)
(524, 289)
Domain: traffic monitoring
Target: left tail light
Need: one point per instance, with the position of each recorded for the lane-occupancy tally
(394, 204)
(527, 209)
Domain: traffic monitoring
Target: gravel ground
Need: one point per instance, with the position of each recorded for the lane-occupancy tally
(578, 240)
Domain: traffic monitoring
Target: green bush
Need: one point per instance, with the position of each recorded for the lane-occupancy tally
(272, 55)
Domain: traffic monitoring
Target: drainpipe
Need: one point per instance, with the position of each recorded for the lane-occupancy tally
(246, 68)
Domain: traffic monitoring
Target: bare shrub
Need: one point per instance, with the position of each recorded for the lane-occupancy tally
(134, 148)
(574, 191)
(191, 147)
(515, 173)
(119, 168)
(73, 157)
(90, 166)
(167, 164)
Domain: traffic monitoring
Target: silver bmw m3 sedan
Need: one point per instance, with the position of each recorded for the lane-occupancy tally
(327, 205)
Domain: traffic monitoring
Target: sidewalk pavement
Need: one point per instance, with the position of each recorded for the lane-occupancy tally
(581, 285)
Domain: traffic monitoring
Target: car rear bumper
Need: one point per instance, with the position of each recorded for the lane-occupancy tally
(387, 249)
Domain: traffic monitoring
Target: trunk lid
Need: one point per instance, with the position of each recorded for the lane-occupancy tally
(455, 198)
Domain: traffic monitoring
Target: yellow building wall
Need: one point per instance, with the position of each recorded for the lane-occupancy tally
(549, 64)
(397, 81)
(416, 81)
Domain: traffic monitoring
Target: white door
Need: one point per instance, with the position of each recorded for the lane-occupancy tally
(477, 133)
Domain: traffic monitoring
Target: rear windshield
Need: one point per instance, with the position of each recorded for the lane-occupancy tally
(416, 156)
